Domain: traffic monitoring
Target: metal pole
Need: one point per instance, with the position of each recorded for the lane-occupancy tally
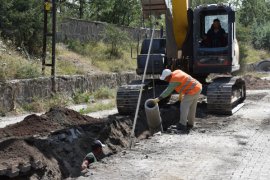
(45, 29)
(53, 45)
(141, 89)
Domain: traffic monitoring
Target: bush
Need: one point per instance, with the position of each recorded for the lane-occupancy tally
(104, 93)
(27, 71)
(79, 98)
(243, 34)
(44, 104)
(261, 36)
(116, 38)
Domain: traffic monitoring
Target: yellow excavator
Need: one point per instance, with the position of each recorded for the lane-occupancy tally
(186, 47)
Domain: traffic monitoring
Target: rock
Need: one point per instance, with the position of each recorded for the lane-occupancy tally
(67, 148)
(69, 139)
(72, 131)
(202, 131)
(3, 171)
(25, 167)
(13, 172)
(62, 137)
(37, 164)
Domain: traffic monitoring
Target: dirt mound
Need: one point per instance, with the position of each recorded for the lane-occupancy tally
(53, 145)
(54, 120)
(18, 158)
(253, 83)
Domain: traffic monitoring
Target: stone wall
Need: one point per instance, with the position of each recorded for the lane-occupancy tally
(22, 91)
(91, 30)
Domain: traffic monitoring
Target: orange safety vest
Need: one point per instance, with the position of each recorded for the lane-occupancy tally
(188, 84)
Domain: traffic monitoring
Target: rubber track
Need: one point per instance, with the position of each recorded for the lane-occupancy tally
(220, 95)
(127, 98)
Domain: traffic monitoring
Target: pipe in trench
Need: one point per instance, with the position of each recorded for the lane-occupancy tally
(153, 117)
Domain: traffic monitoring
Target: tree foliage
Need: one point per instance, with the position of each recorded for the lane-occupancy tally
(116, 38)
(254, 23)
(121, 12)
(22, 21)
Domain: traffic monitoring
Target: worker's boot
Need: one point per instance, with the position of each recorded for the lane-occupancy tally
(182, 128)
(189, 126)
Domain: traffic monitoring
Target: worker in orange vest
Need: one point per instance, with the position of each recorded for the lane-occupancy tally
(187, 86)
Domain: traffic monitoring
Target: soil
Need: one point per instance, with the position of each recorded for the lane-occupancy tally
(53, 145)
(253, 83)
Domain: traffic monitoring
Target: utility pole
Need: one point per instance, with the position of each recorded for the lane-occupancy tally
(49, 9)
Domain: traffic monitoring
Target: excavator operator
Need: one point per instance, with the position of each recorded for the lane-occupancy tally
(187, 86)
(216, 36)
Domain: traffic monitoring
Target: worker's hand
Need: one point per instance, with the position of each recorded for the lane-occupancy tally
(156, 100)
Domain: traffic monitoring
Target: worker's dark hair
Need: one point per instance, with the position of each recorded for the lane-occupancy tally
(96, 144)
(216, 20)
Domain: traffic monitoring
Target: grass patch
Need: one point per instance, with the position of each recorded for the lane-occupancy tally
(100, 57)
(44, 104)
(15, 66)
(71, 59)
(98, 107)
(105, 93)
(79, 98)
(251, 55)
(101, 93)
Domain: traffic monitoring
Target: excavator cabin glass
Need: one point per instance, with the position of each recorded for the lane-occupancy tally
(214, 38)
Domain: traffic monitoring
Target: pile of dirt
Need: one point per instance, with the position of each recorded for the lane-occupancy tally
(56, 119)
(254, 83)
(53, 145)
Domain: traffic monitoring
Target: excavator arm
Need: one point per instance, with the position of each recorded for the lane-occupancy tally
(178, 13)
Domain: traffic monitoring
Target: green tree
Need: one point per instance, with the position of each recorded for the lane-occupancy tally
(116, 38)
(195, 3)
(22, 22)
(254, 23)
(121, 12)
(254, 10)
(261, 36)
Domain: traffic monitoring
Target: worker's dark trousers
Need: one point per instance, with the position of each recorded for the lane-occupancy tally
(188, 108)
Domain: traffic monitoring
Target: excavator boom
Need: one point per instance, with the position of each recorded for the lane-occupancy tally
(179, 15)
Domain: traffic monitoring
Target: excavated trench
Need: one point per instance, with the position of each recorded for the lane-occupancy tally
(53, 145)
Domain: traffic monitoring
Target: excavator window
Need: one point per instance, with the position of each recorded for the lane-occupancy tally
(214, 30)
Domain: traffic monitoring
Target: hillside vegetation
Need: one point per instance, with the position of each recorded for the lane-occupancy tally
(73, 58)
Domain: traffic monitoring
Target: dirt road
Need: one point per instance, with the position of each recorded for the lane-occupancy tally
(220, 147)
(53, 145)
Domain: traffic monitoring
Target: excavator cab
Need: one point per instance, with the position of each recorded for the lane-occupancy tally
(214, 52)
